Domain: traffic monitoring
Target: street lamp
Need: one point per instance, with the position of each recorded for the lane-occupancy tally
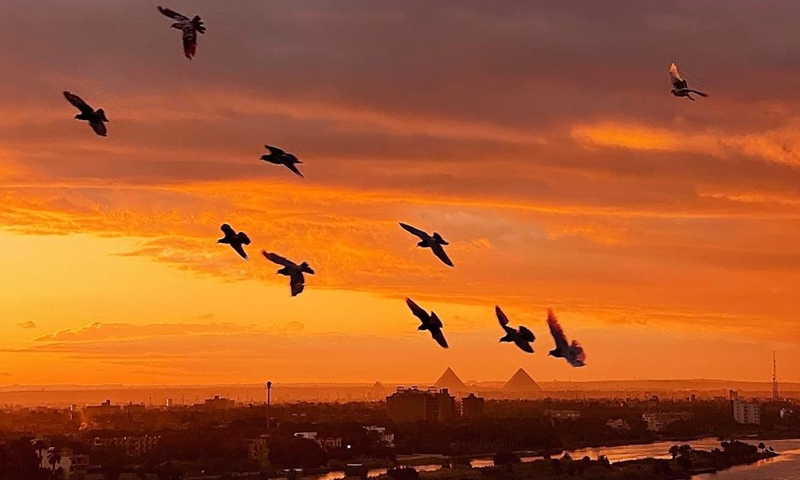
(269, 398)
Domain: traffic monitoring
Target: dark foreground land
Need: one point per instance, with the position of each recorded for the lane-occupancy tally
(685, 463)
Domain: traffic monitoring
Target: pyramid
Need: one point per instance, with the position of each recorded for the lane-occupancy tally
(521, 382)
(378, 387)
(450, 381)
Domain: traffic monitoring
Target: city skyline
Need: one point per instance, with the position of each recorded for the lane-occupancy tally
(559, 167)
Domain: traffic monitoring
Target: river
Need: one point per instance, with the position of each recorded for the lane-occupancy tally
(784, 467)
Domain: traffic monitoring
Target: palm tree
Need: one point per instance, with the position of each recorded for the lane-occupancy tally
(38, 446)
(53, 458)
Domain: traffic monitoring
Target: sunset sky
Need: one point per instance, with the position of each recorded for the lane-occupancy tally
(539, 138)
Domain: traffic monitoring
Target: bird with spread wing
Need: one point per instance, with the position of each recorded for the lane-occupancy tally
(234, 239)
(679, 86)
(522, 338)
(297, 280)
(190, 29)
(277, 156)
(96, 118)
(430, 322)
(435, 242)
(572, 353)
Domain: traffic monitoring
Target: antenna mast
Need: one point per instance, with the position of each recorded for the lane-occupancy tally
(775, 395)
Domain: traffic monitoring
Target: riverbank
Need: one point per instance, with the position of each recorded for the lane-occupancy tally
(684, 463)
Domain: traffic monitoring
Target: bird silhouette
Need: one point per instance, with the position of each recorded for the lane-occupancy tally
(573, 353)
(521, 338)
(435, 242)
(292, 270)
(235, 240)
(279, 157)
(679, 86)
(190, 29)
(96, 118)
(430, 322)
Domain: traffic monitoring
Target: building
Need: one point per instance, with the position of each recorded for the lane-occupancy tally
(746, 412)
(329, 443)
(563, 414)
(412, 405)
(92, 412)
(386, 438)
(133, 446)
(258, 451)
(471, 406)
(658, 421)
(218, 403)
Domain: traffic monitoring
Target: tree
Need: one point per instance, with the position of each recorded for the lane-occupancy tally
(54, 459)
(674, 451)
(111, 461)
(761, 446)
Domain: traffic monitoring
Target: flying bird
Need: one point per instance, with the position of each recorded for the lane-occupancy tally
(573, 353)
(430, 322)
(279, 157)
(292, 270)
(235, 240)
(190, 29)
(96, 118)
(521, 338)
(679, 86)
(435, 243)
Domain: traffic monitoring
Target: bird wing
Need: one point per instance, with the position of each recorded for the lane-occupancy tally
(274, 150)
(98, 127)
(578, 355)
(677, 81)
(292, 167)
(78, 102)
(556, 331)
(227, 230)
(698, 92)
(523, 345)
(189, 42)
(418, 311)
(414, 230)
(274, 257)
(501, 317)
(438, 250)
(526, 334)
(298, 282)
(437, 335)
(172, 14)
(239, 249)
(436, 321)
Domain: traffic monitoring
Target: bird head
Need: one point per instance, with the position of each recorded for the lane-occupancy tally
(421, 243)
(78, 117)
(421, 327)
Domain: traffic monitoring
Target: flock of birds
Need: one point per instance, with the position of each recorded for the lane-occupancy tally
(522, 337)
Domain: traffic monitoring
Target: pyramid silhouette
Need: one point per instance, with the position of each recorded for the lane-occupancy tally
(378, 386)
(450, 381)
(521, 382)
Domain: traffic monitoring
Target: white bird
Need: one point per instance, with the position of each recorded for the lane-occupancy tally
(190, 29)
(573, 353)
(292, 270)
(679, 86)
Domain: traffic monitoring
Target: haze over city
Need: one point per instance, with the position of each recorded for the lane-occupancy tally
(540, 140)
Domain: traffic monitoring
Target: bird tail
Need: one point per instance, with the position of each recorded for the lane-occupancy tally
(102, 115)
(198, 24)
(439, 239)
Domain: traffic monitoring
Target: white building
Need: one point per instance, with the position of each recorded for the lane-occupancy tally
(385, 438)
(746, 412)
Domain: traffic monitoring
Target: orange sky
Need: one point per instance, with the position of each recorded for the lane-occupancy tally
(541, 141)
